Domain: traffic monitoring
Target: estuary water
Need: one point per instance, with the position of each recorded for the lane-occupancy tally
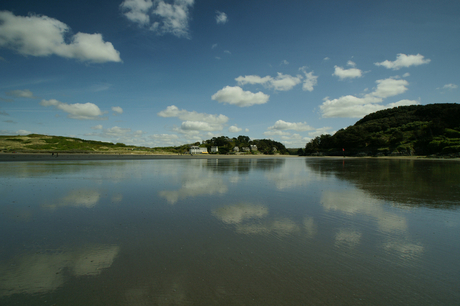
(268, 231)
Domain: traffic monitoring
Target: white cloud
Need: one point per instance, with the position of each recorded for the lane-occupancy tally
(23, 132)
(281, 125)
(117, 109)
(197, 126)
(160, 16)
(285, 82)
(193, 121)
(21, 94)
(450, 86)
(405, 75)
(351, 64)
(347, 73)
(389, 87)
(356, 107)
(326, 58)
(137, 10)
(321, 131)
(252, 79)
(294, 140)
(276, 133)
(310, 80)
(221, 17)
(403, 60)
(284, 62)
(213, 46)
(236, 96)
(116, 131)
(97, 127)
(281, 82)
(43, 36)
(234, 129)
(77, 110)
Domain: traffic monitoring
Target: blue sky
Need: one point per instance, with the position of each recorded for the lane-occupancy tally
(168, 72)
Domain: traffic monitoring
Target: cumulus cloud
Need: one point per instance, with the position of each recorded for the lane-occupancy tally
(165, 140)
(321, 131)
(276, 133)
(281, 125)
(310, 80)
(77, 110)
(23, 132)
(193, 121)
(160, 16)
(281, 82)
(357, 107)
(450, 86)
(234, 129)
(350, 73)
(403, 60)
(21, 94)
(294, 140)
(236, 96)
(117, 109)
(221, 17)
(43, 36)
(119, 134)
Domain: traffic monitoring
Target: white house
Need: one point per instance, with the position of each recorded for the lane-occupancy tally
(253, 147)
(214, 149)
(198, 150)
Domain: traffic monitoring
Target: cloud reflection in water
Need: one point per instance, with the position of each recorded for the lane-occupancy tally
(35, 273)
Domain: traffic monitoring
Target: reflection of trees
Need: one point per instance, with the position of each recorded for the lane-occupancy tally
(39, 169)
(408, 182)
(44, 272)
(244, 165)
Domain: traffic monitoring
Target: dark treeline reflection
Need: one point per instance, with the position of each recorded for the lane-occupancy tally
(244, 165)
(434, 183)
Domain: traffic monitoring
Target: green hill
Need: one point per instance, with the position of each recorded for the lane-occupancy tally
(405, 130)
(35, 143)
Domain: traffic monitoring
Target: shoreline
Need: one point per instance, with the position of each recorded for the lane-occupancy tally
(15, 157)
(12, 157)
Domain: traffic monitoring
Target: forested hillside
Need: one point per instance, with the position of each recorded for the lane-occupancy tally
(226, 145)
(404, 130)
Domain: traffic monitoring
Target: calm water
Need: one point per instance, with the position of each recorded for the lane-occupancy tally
(291, 231)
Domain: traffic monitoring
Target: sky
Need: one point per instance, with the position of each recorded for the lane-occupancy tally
(169, 72)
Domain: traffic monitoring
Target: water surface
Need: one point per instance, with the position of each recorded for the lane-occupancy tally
(281, 231)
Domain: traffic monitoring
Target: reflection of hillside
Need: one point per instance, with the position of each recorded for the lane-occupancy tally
(408, 182)
(46, 169)
(44, 272)
(244, 165)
